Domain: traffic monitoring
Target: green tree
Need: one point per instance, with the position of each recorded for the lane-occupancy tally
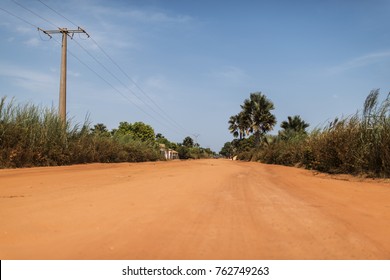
(239, 125)
(188, 142)
(159, 136)
(293, 126)
(173, 146)
(257, 112)
(124, 128)
(233, 126)
(160, 139)
(227, 150)
(183, 151)
(137, 130)
(143, 132)
(100, 130)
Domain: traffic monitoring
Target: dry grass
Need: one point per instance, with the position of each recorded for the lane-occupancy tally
(359, 144)
(34, 136)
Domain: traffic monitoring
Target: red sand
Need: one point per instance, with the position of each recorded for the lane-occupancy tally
(205, 209)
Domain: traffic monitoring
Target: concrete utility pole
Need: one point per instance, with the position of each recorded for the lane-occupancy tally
(65, 33)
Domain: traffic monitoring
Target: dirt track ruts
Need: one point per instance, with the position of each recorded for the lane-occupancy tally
(206, 209)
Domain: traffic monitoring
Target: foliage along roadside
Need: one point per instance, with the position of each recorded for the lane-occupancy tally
(359, 144)
(34, 136)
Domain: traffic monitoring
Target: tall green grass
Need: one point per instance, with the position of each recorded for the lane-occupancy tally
(31, 135)
(359, 144)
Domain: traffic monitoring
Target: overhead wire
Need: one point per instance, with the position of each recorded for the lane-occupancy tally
(25, 21)
(91, 69)
(34, 13)
(123, 84)
(114, 88)
(140, 89)
(162, 113)
(83, 63)
(20, 18)
(47, 6)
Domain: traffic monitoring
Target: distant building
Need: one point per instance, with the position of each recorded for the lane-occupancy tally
(168, 153)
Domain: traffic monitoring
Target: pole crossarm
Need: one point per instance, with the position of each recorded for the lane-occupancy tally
(66, 31)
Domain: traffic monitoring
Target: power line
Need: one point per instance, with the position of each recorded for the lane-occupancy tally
(25, 21)
(108, 83)
(124, 73)
(18, 17)
(92, 70)
(73, 55)
(113, 87)
(78, 59)
(62, 106)
(65, 33)
(164, 114)
(122, 83)
(49, 32)
(47, 6)
(34, 13)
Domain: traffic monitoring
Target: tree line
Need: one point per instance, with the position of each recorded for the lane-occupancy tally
(31, 135)
(359, 144)
(187, 149)
(250, 127)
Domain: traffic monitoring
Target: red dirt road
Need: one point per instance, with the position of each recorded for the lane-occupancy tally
(206, 209)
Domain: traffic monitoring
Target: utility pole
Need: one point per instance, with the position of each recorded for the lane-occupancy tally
(65, 33)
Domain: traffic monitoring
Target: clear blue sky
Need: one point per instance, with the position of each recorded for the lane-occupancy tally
(198, 60)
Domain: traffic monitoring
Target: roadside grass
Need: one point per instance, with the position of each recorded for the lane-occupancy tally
(31, 135)
(359, 144)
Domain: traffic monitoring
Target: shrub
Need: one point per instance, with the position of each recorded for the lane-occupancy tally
(34, 136)
(356, 144)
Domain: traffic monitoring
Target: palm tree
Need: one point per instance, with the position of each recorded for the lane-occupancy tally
(257, 110)
(239, 125)
(233, 126)
(294, 125)
(244, 124)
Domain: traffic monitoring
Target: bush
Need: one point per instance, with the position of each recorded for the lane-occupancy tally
(286, 152)
(354, 145)
(358, 144)
(35, 136)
